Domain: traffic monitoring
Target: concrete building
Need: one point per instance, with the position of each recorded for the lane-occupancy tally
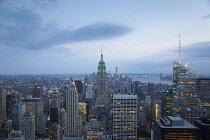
(36, 106)
(16, 135)
(55, 99)
(89, 91)
(167, 128)
(124, 116)
(28, 125)
(73, 120)
(192, 114)
(2, 110)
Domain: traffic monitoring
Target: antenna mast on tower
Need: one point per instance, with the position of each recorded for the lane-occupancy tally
(180, 51)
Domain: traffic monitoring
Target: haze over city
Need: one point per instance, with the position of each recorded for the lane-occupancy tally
(61, 37)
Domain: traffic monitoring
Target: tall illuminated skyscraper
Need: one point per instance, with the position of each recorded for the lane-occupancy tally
(185, 89)
(73, 120)
(124, 117)
(101, 98)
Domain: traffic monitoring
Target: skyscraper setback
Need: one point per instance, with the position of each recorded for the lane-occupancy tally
(102, 97)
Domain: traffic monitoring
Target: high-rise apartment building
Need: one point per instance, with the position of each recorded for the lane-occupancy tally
(102, 97)
(185, 89)
(124, 117)
(28, 125)
(73, 121)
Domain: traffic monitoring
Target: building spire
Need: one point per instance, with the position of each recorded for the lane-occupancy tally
(180, 51)
(101, 54)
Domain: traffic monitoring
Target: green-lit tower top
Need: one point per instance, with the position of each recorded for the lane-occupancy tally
(101, 64)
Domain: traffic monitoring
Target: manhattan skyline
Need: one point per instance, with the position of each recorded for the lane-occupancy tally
(51, 36)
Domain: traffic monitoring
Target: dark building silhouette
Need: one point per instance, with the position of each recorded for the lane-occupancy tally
(167, 128)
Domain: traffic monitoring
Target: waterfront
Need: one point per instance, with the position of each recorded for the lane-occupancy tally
(145, 78)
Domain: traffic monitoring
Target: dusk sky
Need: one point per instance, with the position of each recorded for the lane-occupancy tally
(137, 36)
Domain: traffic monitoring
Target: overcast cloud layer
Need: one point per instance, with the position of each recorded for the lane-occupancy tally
(24, 29)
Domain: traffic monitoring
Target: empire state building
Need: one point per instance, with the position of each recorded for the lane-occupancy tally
(101, 97)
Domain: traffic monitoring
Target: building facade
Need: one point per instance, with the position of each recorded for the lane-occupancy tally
(101, 97)
(185, 93)
(167, 128)
(124, 117)
(28, 125)
(73, 121)
(2, 109)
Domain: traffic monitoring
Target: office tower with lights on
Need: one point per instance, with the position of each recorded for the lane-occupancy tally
(37, 91)
(102, 97)
(185, 89)
(124, 117)
(73, 120)
(55, 101)
(11, 99)
(36, 106)
(28, 125)
(166, 104)
(176, 128)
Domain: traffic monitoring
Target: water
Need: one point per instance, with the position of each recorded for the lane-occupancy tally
(149, 78)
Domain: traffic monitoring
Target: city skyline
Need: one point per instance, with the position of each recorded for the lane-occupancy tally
(63, 37)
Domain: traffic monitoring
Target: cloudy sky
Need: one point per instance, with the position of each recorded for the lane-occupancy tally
(137, 36)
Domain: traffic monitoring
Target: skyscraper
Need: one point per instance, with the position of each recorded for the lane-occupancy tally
(37, 91)
(11, 99)
(73, 121)
(17, 113)
(35, 105)
(28, 125)
(176, 128)
(101, 98)
(55, 102)
(2, 109)
(185, 89)
(124, 117)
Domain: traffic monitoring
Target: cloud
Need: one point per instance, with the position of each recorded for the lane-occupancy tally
(24, 29)
(200, 49)
(206, 17)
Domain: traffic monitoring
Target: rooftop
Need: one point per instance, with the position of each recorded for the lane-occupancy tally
(174, 121)
(124, 96)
